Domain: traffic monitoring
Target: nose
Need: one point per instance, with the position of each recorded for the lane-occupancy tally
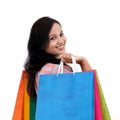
(60, 40)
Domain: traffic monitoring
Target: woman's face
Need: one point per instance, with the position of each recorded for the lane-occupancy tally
(57, 41)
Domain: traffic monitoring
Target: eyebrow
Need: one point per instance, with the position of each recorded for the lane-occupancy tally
(55, 34)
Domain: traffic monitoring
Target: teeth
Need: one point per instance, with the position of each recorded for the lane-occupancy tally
(60, 46)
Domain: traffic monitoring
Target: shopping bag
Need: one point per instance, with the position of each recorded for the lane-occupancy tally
(101, 111)
(18, 109)
(66, 96)
(97, 106)
(101, 104)
(25, 106)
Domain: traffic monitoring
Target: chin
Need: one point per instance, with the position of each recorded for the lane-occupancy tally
(59, 56)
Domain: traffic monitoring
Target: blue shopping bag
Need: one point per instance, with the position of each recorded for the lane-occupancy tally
(66, 96)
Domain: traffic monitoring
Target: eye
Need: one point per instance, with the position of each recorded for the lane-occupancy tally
(61, 34)
(53, 37)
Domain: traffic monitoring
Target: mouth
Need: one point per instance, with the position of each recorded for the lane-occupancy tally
(61, 47)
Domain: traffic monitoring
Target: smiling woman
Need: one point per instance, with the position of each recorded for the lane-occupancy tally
(47, 45)
(57, 41)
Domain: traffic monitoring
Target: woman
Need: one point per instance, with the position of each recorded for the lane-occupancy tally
(46, 47)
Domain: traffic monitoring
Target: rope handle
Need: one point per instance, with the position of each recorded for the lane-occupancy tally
(74, 66)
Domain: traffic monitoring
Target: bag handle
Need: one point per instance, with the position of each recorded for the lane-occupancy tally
(74, 66)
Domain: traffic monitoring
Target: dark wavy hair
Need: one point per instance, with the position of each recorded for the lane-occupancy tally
(37, 57)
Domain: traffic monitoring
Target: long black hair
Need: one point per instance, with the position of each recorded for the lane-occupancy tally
(37, 57)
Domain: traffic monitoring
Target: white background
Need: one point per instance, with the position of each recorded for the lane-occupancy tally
(92, 29)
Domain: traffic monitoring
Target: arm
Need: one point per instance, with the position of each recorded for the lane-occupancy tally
(83, 62)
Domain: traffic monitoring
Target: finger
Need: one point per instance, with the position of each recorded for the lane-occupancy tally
(66, 58)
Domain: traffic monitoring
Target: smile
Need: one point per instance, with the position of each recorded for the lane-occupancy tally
(61, 47)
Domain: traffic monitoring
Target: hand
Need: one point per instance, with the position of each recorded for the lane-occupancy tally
(82, 61)
(67, 58)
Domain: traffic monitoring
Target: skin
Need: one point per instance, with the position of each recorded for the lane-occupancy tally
(56, 46)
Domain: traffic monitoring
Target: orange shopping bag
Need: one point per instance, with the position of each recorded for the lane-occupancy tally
(25, 106)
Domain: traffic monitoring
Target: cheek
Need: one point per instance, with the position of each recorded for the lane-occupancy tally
(51, 46)
(65, 39)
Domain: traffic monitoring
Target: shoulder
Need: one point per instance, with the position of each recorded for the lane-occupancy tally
(48, 68)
